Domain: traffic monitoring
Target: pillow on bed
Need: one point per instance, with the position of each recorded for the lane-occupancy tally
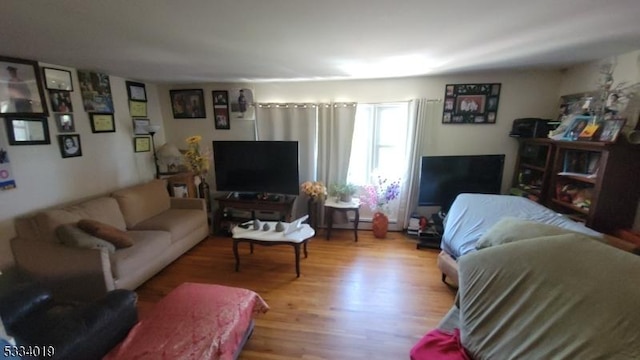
(510, 229)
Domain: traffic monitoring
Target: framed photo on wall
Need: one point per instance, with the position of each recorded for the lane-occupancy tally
(60, 101)
(187, 104)
(102, 123)
(22, 130)
(221, 109)
(21, 91)
(140, 126)
(57, 79)
(96, 91)
(65, 123)
(137, 108)
(142, 144)
(70, 145)
(471, 103)
(136, 91)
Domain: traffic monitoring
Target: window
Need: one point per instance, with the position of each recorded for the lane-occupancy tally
(379, 142)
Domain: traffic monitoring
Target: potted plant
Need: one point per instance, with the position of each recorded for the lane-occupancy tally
(343, 192)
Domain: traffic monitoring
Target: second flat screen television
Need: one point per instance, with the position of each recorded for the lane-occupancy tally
(256, 166)
(442, 178)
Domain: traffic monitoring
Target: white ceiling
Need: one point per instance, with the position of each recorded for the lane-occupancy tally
(183, 41)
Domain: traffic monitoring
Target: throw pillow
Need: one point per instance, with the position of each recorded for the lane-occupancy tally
(106, 232)
(510, 229)
(71, 235)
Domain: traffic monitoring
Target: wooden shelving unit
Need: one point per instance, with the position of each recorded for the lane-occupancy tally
(531, 175)
(605, 174)
(561, 174)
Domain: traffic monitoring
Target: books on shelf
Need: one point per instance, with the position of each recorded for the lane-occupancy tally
(581, 163)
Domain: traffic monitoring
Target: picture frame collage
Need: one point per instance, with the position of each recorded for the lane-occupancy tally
(137, 94)
(471, 103)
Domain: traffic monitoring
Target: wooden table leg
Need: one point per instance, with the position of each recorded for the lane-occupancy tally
(251, 246)
(296, 248)
(305, 249)
(235, 254)
(329, 221)
(356, 220)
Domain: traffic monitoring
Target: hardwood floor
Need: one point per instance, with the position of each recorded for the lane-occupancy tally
(373, 299)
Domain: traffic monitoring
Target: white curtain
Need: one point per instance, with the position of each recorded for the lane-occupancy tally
(292, 122)
(335, 132)
(423, 116)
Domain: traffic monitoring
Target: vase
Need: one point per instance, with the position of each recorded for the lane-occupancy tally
(203, 193)
(380, 225)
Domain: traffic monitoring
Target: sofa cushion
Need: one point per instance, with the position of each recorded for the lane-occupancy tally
(106, 232)
(559, 297)
(178, 222)
(48, 221)
(104, 209)
(147, 248)
(510, 229)
(71, 235)
(141, 202)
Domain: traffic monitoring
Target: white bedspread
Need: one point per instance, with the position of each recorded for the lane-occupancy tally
(471, 215)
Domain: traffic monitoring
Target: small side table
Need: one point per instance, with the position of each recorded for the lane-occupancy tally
(331, 205)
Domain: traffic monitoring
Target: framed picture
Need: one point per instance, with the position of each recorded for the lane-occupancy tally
(96, 92)
(60, 101)
(578, 124)
(70, 145)
(242, 104)
(140, 126)
(57, 79)
(102, 122)
(27, 130)
(610, 129)
(221, 109)
(187, 104)
(179, 190)
(65, 123)
(471, 103)
(21, 91)
(137, 108)
(136, 91)
(142, 144)
(7, 180)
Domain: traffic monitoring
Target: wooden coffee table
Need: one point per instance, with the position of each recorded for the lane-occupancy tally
(271, 237)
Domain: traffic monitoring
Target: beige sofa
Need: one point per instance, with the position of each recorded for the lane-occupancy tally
(161, 229)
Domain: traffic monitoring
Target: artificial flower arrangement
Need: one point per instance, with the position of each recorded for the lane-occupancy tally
(377, 196)
(198, 161)
(314, 189)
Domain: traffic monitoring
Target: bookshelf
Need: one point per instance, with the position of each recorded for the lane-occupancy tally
(595, 182)
(531, 176)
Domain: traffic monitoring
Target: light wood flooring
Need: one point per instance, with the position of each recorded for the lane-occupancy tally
(373, 299)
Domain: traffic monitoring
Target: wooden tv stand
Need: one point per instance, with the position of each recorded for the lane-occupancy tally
(284, 205)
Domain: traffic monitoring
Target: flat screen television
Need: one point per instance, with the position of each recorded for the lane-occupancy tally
(442, 178)
(256, 166)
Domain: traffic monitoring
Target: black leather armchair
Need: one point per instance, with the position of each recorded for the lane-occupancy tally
(74, 330)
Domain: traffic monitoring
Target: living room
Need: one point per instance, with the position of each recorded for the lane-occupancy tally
(108, 162)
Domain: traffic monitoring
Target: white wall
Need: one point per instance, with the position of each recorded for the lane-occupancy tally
(108, 162)
(523, 94)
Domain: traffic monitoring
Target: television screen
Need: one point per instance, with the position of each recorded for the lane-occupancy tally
(442, 178)
(256, 166)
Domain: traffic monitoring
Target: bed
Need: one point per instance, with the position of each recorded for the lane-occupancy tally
(471, 215)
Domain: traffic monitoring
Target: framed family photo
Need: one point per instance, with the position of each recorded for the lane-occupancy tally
(471, 103)
(221, 109)
(65, 123)
(21, 91)
(96, 91)
(60, 101)
(70, 145)
(187, 104)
